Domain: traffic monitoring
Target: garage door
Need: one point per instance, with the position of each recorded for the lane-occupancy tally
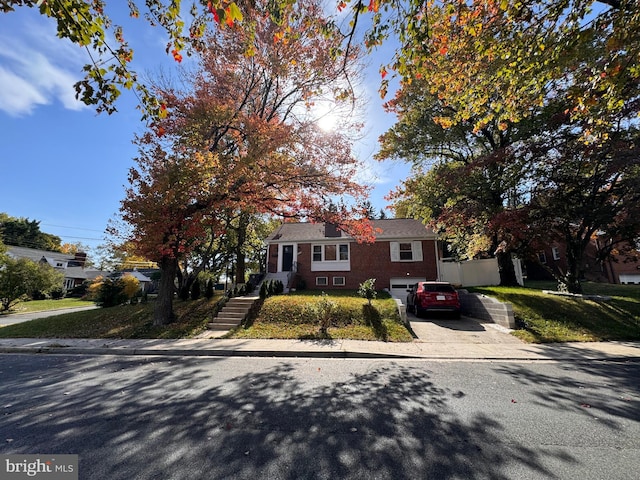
(626, 278)
(400, 285)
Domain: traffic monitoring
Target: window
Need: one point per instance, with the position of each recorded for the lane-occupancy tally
(556, 253)
(322, 281)
(542, 258)
(406, 251)
(330, 253)
(338, 281)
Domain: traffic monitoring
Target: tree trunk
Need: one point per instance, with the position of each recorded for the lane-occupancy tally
(571, 280)
(507, 269)
(240, 260)
(163, 313)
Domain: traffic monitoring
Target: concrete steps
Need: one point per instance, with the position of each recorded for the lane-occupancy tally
(233, 313)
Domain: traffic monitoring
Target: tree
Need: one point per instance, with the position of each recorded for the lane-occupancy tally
(584, 189)
(498, 60)
(463, 179)
(19, 278)
(23, 232)
(242, 138)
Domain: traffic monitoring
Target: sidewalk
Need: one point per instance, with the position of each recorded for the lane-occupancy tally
(329, 349)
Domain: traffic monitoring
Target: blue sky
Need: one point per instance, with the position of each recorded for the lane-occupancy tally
(66, 166)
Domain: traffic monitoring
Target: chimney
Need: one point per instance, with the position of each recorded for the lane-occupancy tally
(81, 258)
(331, 230)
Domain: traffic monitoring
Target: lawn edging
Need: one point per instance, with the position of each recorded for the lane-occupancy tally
(480, 306)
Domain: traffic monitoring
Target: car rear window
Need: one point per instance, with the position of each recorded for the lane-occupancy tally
(437, 287)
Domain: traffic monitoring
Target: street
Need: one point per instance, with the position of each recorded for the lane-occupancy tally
(268, 418)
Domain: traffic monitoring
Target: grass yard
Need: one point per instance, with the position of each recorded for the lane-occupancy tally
(125, 321)
(544, 318)
(295, 316)
(41, 305)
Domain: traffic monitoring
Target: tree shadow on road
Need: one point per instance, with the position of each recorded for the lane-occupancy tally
(164, 418)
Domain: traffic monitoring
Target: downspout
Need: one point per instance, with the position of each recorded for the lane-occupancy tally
(435, 244)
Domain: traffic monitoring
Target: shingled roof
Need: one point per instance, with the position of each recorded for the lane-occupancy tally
(388, 229)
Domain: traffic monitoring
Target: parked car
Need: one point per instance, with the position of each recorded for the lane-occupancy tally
(426, 297)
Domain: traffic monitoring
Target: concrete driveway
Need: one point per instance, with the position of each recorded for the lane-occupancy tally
(439, 329)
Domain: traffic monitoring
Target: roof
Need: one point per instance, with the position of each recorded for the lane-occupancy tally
(83, 274)
(388, 229)
(36, 255)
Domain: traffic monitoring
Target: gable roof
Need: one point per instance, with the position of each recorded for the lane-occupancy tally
(388, 229)
(37, 255)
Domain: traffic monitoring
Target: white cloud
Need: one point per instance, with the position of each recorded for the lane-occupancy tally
(36, 68)
(17, 96)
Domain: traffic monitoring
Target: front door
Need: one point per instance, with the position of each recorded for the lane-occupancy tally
(287, 258)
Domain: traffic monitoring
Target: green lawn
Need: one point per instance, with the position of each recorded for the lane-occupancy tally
(540, 318)
(543, 318)
(293, 316)
(40, 305)
(125, 321)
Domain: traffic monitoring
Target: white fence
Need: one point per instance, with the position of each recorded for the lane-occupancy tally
(475, 273)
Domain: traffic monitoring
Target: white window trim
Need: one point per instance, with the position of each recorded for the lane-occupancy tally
(336, 284)
(416, 251)
(331, 265)
(555, 252)
(325, 284)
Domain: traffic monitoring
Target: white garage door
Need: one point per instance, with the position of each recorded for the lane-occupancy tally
(629, 278)
(400, 285)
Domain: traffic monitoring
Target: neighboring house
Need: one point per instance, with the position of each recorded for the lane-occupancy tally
(619, 268)
(71, 265)
(147, 284)
(319, 256)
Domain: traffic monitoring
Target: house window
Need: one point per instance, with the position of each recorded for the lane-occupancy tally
(542, 258)
(338, 281)
(556, 253)
(322, 281)
(58, 264)
(406, 251)
(331, 253)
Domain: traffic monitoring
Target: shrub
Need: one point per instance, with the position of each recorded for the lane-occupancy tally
(368, 289)
(58, 293)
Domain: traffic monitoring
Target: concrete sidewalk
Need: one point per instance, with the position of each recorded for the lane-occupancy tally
(329, 349)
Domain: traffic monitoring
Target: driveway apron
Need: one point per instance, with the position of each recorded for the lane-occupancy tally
(466, 330)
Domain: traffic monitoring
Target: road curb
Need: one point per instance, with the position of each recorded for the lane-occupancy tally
(340, 354)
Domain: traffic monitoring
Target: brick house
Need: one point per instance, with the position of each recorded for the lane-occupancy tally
(319, 256)
(621, 267)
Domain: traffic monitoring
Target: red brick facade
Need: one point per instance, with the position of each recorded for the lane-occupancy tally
(366, 261)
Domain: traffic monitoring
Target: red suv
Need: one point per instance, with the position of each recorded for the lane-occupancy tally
(426, 297)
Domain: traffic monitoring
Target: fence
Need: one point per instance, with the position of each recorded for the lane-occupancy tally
(473, 273)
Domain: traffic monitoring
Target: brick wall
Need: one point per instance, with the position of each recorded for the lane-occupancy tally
(368, 261)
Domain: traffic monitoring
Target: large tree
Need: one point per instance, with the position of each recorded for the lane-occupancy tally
(23, 232)
(462, 178)
(242, 137)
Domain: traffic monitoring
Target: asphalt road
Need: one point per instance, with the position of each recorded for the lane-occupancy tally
(248, 418)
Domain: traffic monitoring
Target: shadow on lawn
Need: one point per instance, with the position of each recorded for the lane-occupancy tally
(162, 418)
